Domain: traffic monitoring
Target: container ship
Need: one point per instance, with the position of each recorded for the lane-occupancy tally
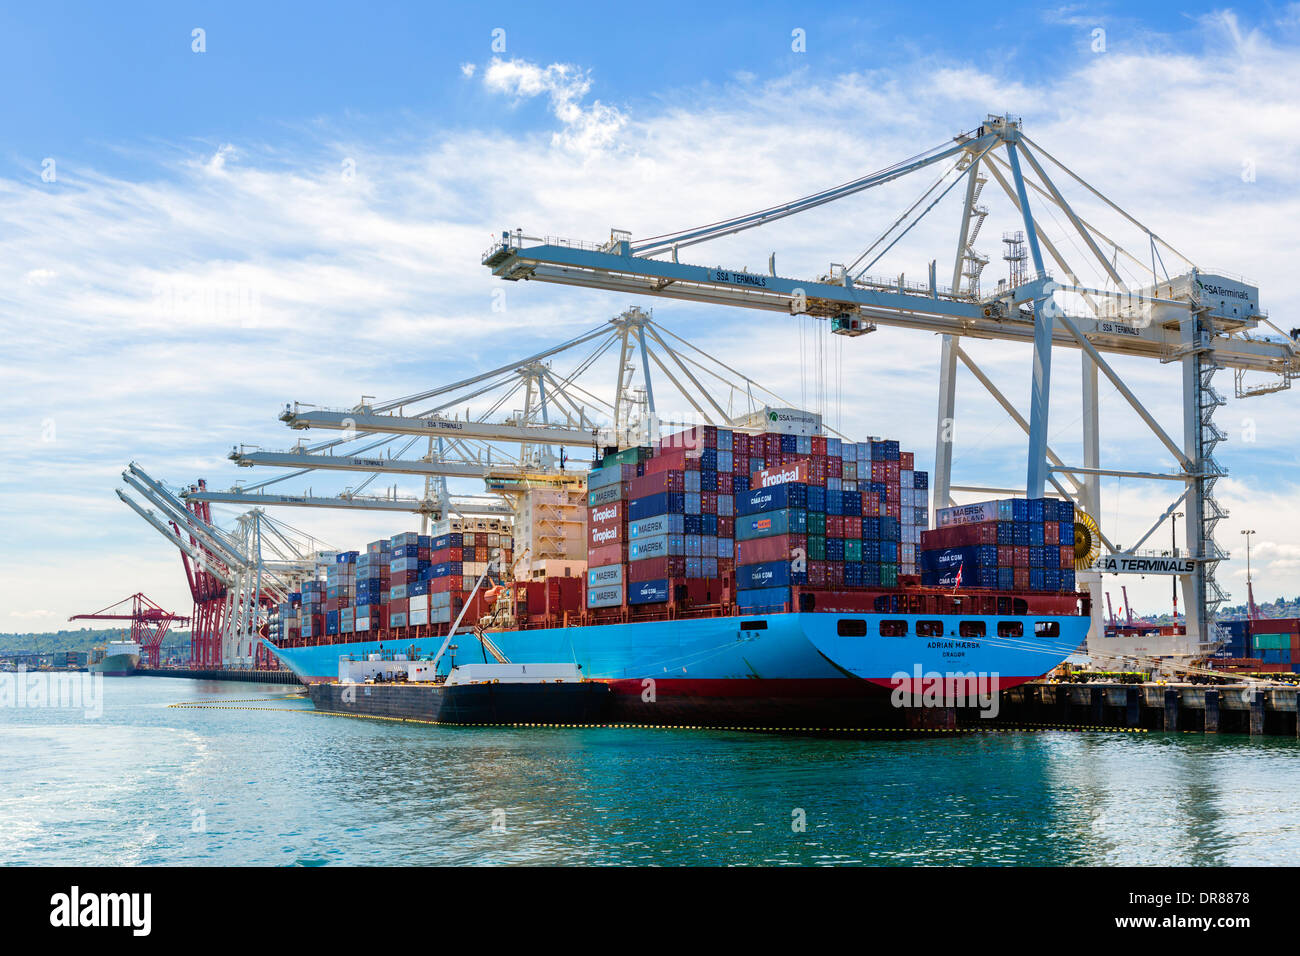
(770, 578)
(120, 659)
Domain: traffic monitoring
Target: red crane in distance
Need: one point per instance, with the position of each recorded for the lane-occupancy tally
(149, 623)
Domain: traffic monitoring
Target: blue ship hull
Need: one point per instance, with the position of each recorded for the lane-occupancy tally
(768, 668)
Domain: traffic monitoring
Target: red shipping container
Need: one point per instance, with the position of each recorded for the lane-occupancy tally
(615, 512)
(892, 493)
(1020, 558)
(1067, 556)
(819, 444)
(906, 460)
(853, 526)
(1006, 555)
(961, 535)
(892, 509)
(891, 471)
(878, 471)
(695, 591)
(1020, 577)
(835, 526)
(652, 483)
(726, 526)
(605, 534)
(1052, 533)
(563, 594)
(835, 574)
(779, 547)
(817, 574)
(708, 502)
(726, 483)
(606, 554)
(653, 569)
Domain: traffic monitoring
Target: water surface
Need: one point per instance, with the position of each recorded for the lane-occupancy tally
(147, 783)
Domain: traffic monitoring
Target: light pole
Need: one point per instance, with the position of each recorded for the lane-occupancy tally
(1250, 589)
(1173, 528)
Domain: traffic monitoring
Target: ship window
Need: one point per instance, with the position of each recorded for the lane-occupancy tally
(971, 629)
(893, 629)
(1011, 629)
(929, 628)
(753, 625)
(851, 627)
(1047, 629)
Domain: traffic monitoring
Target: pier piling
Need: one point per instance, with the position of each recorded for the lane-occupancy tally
(1170, 712)
(1211, 711)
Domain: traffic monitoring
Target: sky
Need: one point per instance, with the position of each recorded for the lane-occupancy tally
(212, 211)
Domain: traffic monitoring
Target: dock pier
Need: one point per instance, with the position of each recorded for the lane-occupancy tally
(1259, 709)
(220, 673)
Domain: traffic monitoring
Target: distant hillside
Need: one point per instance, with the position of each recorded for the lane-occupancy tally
(1269, 610)
(82, 639)
(1279, 608)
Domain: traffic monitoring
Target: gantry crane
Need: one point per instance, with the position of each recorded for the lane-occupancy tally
(149, 623)
(234, 576)
(559, 412)
(1202, 321)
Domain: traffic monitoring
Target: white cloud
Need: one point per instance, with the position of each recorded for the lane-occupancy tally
(586, 129)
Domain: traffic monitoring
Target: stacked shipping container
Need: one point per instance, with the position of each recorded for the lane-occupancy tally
(408, 580)
(1011, 544)
(1276, 642)
(773, 510)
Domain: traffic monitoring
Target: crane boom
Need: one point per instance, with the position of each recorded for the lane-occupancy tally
(369, 423)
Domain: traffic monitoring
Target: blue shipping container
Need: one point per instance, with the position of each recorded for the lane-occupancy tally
(647, 592)
(769, 574)
(763, 525)
(773, 498)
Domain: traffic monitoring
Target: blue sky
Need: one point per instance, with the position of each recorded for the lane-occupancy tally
(181, 172)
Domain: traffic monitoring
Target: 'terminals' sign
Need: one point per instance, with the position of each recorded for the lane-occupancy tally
(1133, 564)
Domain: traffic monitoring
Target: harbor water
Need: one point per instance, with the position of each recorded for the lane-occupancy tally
(245, 774)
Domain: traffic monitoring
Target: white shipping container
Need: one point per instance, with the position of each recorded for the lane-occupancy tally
(418, 617)
(606, 576)
(418, 603)
(974, 514)
(610, 596)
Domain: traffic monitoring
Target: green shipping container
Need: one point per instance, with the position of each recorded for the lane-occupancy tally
(852, 549)
(817, 523)
(628, 456)
(816, 547)
(889, 575)
(1272, 642)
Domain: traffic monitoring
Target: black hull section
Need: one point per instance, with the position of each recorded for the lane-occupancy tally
(577, 703)
(848, 706)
